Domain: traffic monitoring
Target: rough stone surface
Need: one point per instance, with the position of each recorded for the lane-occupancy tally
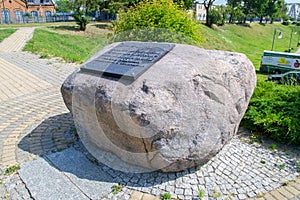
(176, 115)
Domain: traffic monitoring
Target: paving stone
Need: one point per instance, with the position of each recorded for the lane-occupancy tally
(90, 178)
(47, 182)
(285, 192)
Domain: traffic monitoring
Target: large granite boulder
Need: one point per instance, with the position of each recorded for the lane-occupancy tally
(178, 114)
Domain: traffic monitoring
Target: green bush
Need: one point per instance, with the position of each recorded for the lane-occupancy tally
(162, 21)
(286, 23)
(215, 17)
(81, 19)
(274, 110)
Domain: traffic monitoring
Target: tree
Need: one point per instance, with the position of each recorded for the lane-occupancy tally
(260, 7)
(207, 4)
(224, 11)
(114, 6)
(233, 4)
(64, 6)
(214, 17)
(247, 9)
(187, 4)
(273, 9)
(161, 21)
(82, 9)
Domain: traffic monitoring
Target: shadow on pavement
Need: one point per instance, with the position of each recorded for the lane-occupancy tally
(56, 141)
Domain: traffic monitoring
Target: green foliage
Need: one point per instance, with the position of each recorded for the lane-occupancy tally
(201, 194)
(71, 48)
(81, 19)
(281, 166)
(286, 23)
(157, 21)
(4, 33)
(298, 165)
(187, 4)
(215, 17)
(165, 196)
(275, 111)
(12, 169)
(82, 9)
(63, 6)
(272, 147)
(117, 188)
(263, 162)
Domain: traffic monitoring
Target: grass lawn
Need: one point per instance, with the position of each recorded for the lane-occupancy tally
(67, 42)
(252, 40)
(4, 33)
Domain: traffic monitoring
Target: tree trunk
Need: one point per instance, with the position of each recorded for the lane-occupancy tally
(261, 19)
(207, 12)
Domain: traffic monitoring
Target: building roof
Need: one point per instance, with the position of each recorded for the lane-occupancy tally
(40, 2)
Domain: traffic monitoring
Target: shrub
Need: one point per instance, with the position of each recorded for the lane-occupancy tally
(162, 21)
(274, 110)
(81, 19)
(215, 17)
(286, 23)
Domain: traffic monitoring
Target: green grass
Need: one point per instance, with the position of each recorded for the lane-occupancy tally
(12, 169)
(71, 48)
(4, 33)
(251, 40)
(37, 24)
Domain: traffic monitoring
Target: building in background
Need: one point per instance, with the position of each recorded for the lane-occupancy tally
(200, 11)
(294, 10)
(15, 11)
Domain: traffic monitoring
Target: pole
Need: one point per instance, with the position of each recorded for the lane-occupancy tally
(298, 44)
(273, 39)
(291, 40)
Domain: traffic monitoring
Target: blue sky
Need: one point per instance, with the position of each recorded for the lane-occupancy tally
(218, 2)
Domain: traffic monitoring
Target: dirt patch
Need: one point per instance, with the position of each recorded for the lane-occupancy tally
(92, 30)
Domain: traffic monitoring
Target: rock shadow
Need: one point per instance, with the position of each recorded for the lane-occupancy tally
(56, 141)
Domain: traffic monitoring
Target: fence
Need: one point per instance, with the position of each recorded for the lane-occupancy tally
(20, 18)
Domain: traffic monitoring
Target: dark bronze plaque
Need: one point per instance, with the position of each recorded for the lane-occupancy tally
(128, 59)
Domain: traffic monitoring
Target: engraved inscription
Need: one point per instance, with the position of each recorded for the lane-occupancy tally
(128, 59)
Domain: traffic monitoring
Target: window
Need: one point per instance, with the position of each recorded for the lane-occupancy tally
(41, 1)
(5, 16)
(34, 13)
(18, 15)
(48, 13)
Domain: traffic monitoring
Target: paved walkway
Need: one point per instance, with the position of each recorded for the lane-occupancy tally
(37, 133)
(16, 41)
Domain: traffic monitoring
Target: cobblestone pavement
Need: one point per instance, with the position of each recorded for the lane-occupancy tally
(36, 127)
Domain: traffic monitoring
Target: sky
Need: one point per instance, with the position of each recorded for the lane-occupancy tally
(218, 2)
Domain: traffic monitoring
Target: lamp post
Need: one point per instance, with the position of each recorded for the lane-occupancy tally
(274, 35)
(298, 44)
(295, 32)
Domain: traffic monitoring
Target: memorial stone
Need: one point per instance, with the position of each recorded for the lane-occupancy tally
(149, 106)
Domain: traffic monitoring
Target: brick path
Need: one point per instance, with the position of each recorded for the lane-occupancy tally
(30, 102)
(16, 41)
